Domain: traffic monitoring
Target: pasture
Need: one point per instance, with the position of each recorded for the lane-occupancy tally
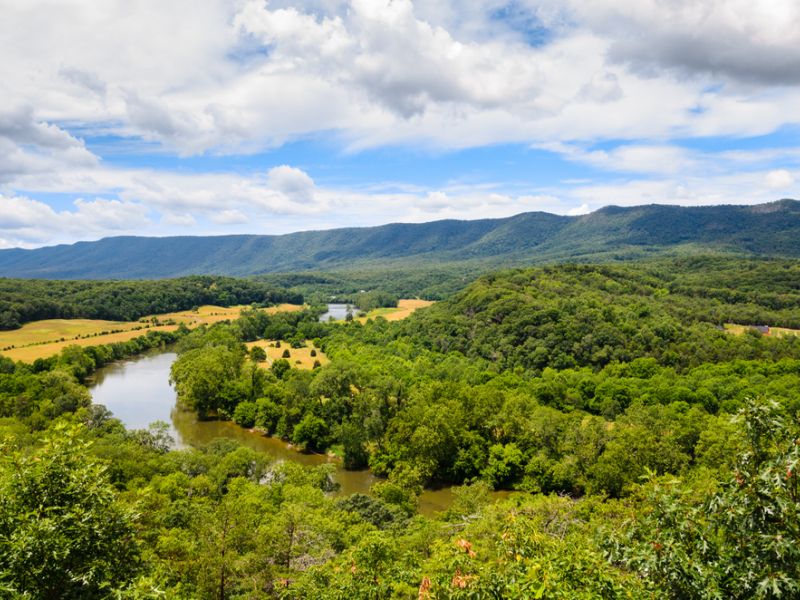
(404, 309)
(41, 339)
(300, 358)
(773, 331)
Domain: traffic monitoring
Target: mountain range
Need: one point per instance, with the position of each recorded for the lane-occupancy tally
(611, 233)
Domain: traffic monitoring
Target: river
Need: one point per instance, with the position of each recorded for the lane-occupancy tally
(138, 392)
(337, 312)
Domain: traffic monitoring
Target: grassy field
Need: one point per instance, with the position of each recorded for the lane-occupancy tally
(773, 331)
(50, 330)
(300, 358)
(214, 314)
(404, 309)
(30, 353)
(40, 339)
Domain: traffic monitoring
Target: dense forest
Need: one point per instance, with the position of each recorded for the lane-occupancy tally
(649, 452)
(24, 300)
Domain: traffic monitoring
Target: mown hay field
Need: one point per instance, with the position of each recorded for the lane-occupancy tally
(41, 339)
(31, 353)
(299, 358)
(404, 309)
(773, 331)
(209, 314)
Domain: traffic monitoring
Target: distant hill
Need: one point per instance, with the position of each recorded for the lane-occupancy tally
(611, 233)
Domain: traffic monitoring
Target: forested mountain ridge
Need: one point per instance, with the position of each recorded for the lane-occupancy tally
(612, 232)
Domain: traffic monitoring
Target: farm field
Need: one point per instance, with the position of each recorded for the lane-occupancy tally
(773, 331)
(41, 339)
(209, 314)
(300, 358)
(404, 309)
(38, 332)
(31, 353)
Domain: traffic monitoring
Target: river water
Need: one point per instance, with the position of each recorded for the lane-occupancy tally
(138, 392)
(337, 312)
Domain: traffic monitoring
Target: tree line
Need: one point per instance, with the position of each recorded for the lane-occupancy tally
(24, 300)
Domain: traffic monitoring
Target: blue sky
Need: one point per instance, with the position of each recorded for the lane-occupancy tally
(217, 117)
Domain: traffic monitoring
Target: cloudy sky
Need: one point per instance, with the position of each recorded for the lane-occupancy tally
(239, 116)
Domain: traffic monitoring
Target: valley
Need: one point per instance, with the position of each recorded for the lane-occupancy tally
(557, 414)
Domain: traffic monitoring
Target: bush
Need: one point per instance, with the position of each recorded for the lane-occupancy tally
(258, 354)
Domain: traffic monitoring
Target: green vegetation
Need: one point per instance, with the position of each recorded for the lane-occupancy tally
(612, 234)
(651, 454)
(24, 300)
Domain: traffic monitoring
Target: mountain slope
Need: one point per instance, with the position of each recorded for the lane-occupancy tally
(768, 229)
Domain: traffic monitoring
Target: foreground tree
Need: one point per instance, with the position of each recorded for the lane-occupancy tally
(63, 533)
(739, 541)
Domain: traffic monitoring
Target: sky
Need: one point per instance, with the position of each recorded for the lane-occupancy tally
(209, 117)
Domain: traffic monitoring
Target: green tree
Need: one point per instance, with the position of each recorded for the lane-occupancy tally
(739, 541)
(202, 375)
(311, 433)
(280, 367)
(63, 533)
(258, 354)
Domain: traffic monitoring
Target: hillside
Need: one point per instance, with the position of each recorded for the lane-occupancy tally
(591, 315)
(609, 233)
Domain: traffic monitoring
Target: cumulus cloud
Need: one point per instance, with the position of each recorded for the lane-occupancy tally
(249, 75)
(229, 217)
(779, 179)
(294, 183)
(754, 41)
(608, 85)
(26, 221)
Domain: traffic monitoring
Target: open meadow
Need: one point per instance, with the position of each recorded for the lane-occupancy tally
(299, 358)
(404, 309)
(41, 339)
(772, 331)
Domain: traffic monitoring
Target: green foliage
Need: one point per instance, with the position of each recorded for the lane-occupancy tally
(739, 541)
(367, 301)
(601, 395)
(245, 414)
(311, 433)
(205, 378)
(258, 354)
(575, 315)
(23, 300)
(280, 367)
(63, 533)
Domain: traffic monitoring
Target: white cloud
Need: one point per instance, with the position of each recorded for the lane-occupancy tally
(179, 220)
(579, 210)
(294, 183)
(752, 41)
(779, 179)
(104, 214)
(229, 217)
(250, 74)
(220, 77)
(25, 221)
